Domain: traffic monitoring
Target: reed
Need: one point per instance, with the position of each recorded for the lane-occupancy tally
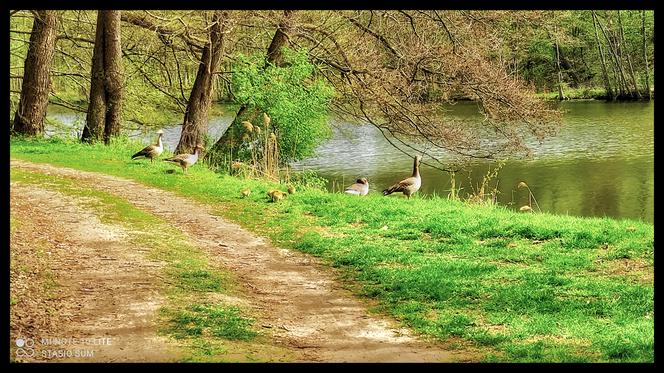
(482, 194)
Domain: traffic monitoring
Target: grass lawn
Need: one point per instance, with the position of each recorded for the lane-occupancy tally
(523, 287)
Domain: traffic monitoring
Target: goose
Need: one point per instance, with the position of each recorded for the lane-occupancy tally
(410, 185)
(291, 189)
(360, 188)
(151, 151)
(185, 160)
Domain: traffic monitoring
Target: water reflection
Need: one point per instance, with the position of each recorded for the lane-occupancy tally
(600, 164)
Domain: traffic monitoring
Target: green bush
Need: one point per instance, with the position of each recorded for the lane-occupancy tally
(294, 99)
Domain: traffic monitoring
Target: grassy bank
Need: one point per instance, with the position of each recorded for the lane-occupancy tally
(524, 287)
(581, 93)
(194, 313)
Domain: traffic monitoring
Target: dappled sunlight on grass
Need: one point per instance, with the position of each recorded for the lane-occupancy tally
(528, 287)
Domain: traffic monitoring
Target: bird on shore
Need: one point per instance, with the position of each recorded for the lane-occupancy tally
(359, 188)
(186, 160)
(151, 151)
(410, 185)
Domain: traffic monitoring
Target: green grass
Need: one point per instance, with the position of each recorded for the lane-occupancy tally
(188, 275)
(580, 93)
(523, 287)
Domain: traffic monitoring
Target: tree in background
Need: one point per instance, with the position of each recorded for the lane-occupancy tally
(31, 110)
(392, 69)
(195, 121)
(228, 143)
(396, 70)
(295, 100)
(104, 114)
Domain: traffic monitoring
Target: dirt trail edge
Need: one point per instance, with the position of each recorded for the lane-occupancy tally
(108, 294)
(294, 294)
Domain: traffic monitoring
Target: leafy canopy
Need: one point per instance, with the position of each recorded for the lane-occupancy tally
(296, 101)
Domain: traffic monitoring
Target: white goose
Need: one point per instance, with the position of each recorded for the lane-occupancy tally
(185, 160)
(151, 151)
(410, 185)
(360, 188)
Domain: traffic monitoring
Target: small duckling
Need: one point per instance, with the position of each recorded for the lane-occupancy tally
(246, 192)
(526, 208)
(291, 189)
(276, 195)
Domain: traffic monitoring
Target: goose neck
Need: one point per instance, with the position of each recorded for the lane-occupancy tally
(416, 169)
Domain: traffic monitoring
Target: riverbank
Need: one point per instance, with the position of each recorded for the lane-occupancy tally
(583, 93)
(522, 287)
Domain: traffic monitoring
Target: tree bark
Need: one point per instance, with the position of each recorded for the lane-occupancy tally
(645, 53)
(113, 79)
(607, 84)
(194, 125)
(29, 116)
(104, 115)
(561, 95)
(275, 57)
(635, 93)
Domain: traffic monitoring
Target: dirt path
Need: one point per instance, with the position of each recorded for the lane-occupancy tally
(296, 296)
(108, 292)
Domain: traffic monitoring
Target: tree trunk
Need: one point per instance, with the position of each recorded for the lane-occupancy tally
(607, 84)
(29, 116)
(635, 92)
(113, 79)
(561, 95)
(194, 125)
(645, 53)
(617, 63)
(232, 136)
(105, 107)
(569, 68)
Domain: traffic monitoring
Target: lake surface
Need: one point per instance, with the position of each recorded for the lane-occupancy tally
(601, 163)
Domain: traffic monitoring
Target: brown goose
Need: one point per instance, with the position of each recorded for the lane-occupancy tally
(185, 160)
(360, 188)
(410, 185)
(151, 151)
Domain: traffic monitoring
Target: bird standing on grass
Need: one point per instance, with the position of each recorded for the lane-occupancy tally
(360, 188)
(410, 185)
(276, 195)
(151, 151)
(185, 160)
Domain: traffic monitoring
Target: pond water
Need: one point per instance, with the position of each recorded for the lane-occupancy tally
(600, 164)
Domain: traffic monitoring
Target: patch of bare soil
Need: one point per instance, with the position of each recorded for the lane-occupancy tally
(99, 299)
(297, 298)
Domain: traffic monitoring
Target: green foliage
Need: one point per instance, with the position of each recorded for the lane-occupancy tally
(145, 105)
(295, 100)
(308, 179)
